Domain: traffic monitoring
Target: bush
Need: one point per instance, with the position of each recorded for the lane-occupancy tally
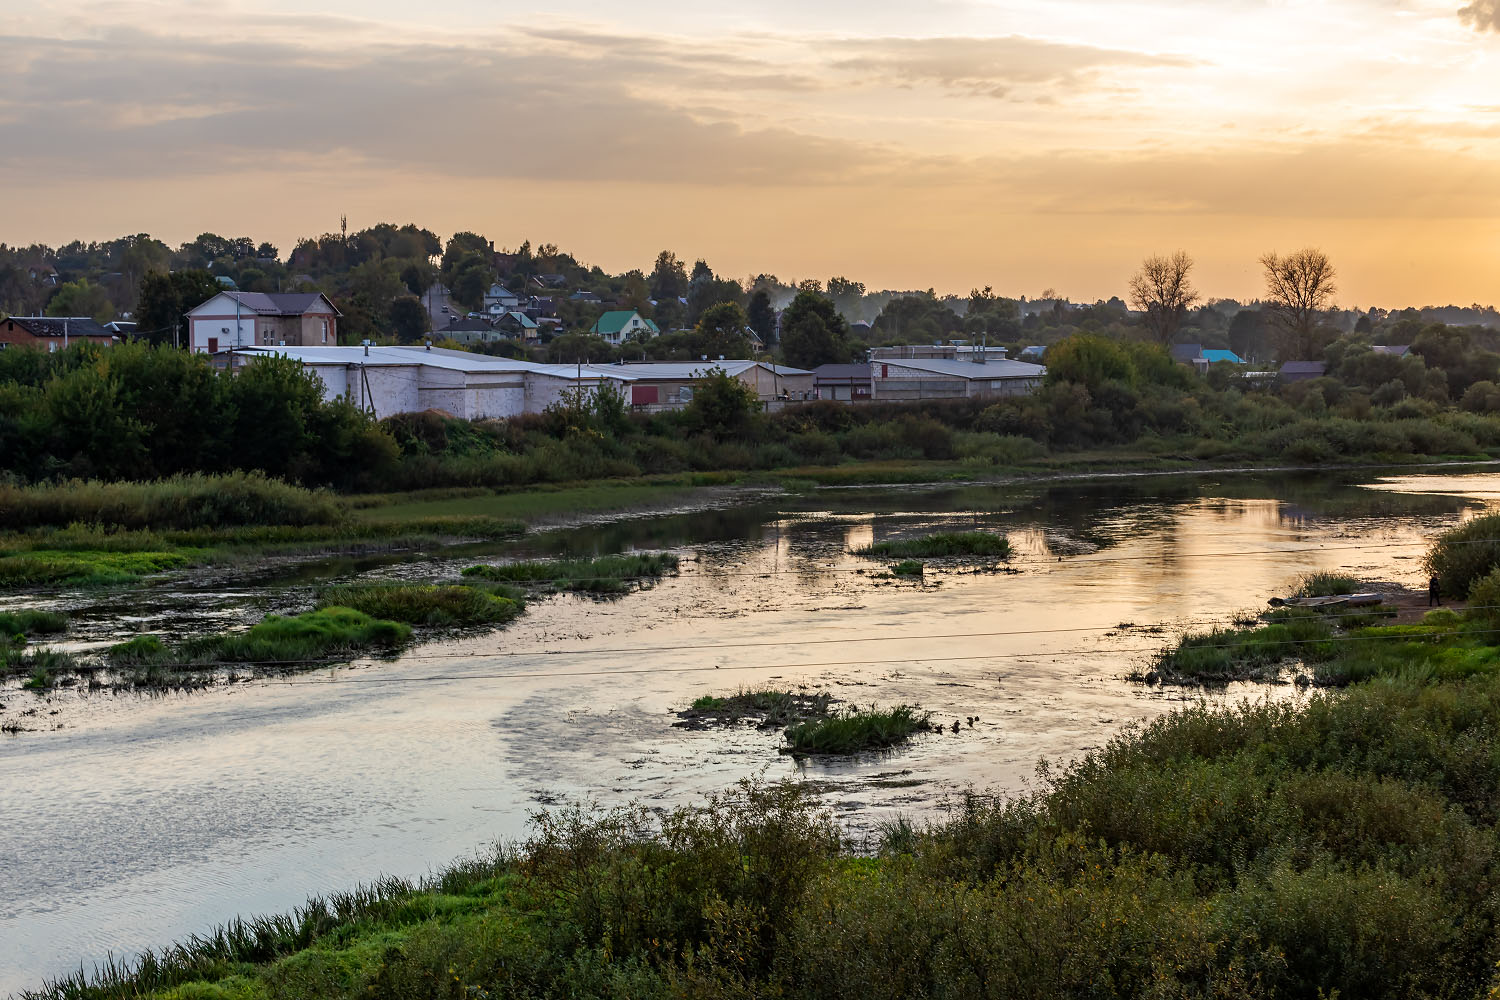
(1465, 555)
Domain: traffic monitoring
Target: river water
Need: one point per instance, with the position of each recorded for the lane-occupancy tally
(128, 821)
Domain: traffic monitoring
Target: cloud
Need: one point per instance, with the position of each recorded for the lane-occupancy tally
(204, 106)
(1481, 15)
(989, 67)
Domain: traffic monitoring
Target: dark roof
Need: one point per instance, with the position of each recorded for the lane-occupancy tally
(466, 325)
(280, 303)
(57, 326)
(857, 373)
(1186, 352)
(1303, 368)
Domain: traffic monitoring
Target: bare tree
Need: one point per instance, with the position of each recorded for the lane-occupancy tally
(1162, 290)
(1299, 287)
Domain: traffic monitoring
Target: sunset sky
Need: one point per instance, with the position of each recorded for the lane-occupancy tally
(1024, 144)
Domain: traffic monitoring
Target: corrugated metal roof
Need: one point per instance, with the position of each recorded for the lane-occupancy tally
(966, 369)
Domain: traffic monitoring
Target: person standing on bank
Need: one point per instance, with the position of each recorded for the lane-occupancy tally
(1434, 593)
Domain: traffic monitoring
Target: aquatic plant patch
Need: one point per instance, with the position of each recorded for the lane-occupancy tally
(313, 635)
(1327, 585)
(855, 730)
(425, 604)
(951, 545)
(767, 708)
(28, 623)
(84, 568)
(604, 575)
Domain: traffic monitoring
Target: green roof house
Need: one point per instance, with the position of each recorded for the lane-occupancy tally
(620, 325)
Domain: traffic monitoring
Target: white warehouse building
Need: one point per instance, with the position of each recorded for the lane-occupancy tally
(391, 380)
(940, 378)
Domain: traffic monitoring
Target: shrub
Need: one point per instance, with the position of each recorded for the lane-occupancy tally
(1466, 554)
(182, 502)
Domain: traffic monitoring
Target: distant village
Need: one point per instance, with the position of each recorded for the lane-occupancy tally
(398, 322)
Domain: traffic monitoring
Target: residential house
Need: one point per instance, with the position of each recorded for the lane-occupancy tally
(1187, 354)
(469, 330)
(51, 333)
(263, 319)
(1300, 371)
(121, 328)
(518, 325)
(620, 325)
(550, 281)
(941, 378)
(500, 300)
(1393, 350)
(1212, 357)
(845, 383)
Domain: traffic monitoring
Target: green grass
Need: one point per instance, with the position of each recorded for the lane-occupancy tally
(84, 568)
(537, 503)
(604, 575)
(323, 634)
(188, 501)
(41, 667)
(32, 623)
(139, 651)
(909, 567)
(770, 707)
(1258, 653)
(855, 730)
(949, 545)
(425, 604)
(1327, 585)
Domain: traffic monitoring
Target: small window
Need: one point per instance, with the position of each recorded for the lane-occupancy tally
(325, 331)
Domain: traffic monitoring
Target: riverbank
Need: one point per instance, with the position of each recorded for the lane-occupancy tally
(1348, 844)
(245, 798)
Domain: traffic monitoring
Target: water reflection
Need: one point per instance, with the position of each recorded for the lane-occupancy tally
(145, 819)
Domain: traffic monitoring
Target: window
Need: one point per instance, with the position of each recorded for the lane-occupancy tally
(325, 331)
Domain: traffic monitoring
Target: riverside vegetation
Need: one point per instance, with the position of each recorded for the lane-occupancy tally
(348, 620)
(136, 412)
(1348, 845)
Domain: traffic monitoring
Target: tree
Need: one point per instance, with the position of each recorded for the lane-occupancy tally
(1162, 290)
(417, 276)
(79, 298)
(723, 405)
(461, 248)
(1247, 333)
(813, 333)
(165, 299)
(916, 318)
(669, 278)
(409, 319)
(1299, 287)
(470, 281)
(721, 332)
(762, 316)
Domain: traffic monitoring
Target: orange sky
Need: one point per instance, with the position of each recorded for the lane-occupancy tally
(1024, 144)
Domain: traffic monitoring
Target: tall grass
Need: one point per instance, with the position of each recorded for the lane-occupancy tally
(314, 635)
(184, 502)
(424, 604)
(604, 575)
(1327, 585)
(84, 568)
(27, 622)
(964, 544)
(855, 730)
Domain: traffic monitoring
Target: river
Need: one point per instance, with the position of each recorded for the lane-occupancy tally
(130, 821)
